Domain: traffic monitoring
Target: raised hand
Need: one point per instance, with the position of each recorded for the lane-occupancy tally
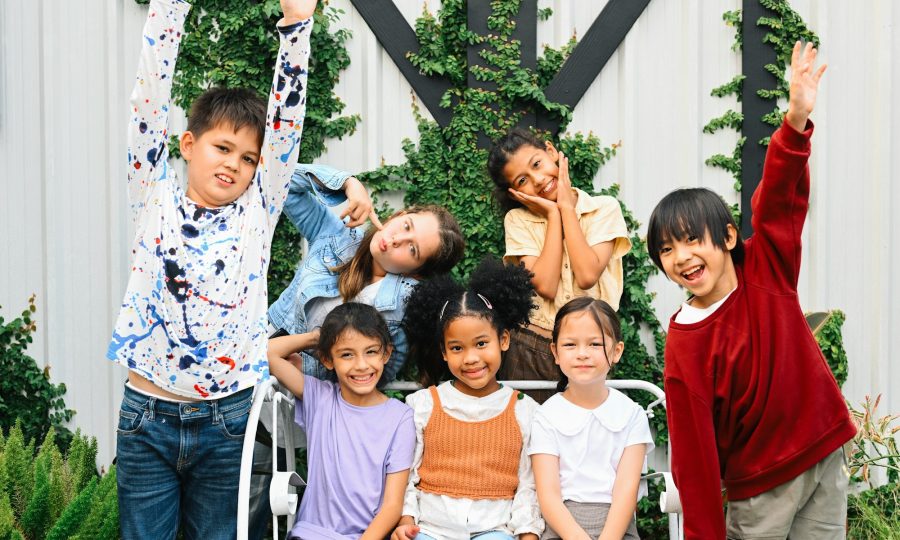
(804, 85)
(565, 195)
(359, 204)
(536, 205)
(295, 11)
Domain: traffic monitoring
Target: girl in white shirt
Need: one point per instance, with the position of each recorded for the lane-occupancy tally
(588, 442)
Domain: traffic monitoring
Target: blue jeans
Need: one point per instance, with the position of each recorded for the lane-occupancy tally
(179, 463)
(490, 535)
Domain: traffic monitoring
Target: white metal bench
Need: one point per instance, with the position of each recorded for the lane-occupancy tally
(282, 490)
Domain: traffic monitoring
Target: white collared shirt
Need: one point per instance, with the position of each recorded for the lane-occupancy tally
(589, 443)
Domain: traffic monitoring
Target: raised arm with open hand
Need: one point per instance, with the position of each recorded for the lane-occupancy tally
(804, 85)
(295, 11)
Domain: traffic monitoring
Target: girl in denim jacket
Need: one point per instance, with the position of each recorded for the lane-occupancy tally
(344, 262)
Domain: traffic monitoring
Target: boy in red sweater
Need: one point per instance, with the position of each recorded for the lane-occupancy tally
(751, 401)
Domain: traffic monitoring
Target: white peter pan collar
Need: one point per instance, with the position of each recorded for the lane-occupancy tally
(614, 414)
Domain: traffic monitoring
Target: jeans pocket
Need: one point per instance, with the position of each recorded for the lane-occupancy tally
(234, 422)
(130, 421)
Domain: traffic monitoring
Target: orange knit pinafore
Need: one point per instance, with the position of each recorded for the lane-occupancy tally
(471, 460)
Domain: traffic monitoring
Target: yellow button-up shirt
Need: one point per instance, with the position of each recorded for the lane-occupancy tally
(601, 221)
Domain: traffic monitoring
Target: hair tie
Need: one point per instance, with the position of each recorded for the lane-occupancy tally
(485, 300)
(441, 316)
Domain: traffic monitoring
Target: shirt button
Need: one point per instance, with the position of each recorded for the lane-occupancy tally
(568, 296)
(566, 265)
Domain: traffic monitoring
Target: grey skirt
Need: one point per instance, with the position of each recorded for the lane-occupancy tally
(591, 517)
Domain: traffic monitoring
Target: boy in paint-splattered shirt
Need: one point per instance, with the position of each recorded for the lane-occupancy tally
(192, 325)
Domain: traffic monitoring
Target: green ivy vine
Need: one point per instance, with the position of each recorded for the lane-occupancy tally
(785, 28)
(446, 166)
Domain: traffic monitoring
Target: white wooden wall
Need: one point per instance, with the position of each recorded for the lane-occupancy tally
(66, 70)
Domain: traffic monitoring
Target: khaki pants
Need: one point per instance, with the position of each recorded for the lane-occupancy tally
(811, 506)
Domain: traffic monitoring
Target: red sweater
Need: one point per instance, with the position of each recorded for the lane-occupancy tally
(750, 398)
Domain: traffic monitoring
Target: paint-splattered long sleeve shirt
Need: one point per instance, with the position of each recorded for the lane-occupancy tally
(193, 319)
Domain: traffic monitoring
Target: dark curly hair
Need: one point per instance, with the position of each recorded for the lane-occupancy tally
(501, 151)
(497, 293)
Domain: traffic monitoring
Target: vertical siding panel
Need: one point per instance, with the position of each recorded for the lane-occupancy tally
(21, 152)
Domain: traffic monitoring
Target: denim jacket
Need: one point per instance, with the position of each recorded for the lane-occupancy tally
(313, 189)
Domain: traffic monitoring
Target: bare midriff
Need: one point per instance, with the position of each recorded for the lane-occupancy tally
(145, 385)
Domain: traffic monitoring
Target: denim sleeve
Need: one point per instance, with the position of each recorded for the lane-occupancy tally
(313, 189)
(398, 357)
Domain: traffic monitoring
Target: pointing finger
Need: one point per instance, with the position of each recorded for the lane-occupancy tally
(373, 217)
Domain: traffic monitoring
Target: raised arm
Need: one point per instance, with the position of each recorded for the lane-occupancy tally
(781, 201)
(287, 107)
(280, 350)
(147, 129)
(804, 86)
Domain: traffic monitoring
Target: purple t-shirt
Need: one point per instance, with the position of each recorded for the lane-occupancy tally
(350, 450)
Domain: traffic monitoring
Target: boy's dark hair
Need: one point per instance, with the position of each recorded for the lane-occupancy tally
(356, 273)
(363, 318)
(692, 212)
(499, 294)
(234, 107)
(501, 151)
(605, 317)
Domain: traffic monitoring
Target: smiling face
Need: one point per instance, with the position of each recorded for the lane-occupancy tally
(220, 163)
(700, 266)
(358, 361)
(583, 352)
(533, 171)
(472, 350)
(405, 243)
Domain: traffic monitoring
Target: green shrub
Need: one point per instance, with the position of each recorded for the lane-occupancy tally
(48, 496)
(26, 393)
(875, 514)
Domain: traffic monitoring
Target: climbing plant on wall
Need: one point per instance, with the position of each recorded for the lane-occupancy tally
(446, 165)
(784, 27)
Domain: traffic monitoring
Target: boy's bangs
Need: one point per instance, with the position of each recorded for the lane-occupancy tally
(689, 212)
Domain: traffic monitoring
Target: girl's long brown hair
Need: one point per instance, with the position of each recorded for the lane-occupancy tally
(356, 273)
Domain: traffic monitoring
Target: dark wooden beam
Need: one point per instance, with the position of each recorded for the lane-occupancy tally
(591, 55)
(756, 55)
(398, 38)
(477, 13)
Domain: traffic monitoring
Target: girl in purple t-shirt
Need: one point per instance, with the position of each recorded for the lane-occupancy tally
(360, 443)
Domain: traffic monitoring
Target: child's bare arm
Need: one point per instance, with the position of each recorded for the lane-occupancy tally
(280, 349)
(624, 495)
(804, 85)
(546, 479)
(391, 507)
(147, 129)
(546, 266)
(588, 262)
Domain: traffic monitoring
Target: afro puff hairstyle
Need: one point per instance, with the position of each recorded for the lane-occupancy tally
(497, 293)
